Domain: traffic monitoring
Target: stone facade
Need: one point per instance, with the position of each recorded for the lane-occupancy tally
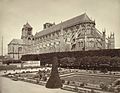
(18, 47)
(76, 34)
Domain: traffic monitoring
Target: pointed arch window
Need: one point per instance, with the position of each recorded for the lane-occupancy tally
(81, 44)
(29, 38)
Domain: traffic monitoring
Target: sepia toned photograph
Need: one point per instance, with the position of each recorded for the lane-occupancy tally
(59, 46)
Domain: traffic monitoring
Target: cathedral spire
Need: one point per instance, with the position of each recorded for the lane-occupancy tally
(28, 25)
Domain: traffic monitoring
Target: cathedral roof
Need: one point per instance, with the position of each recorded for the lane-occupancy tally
(17, 41)
(76, 20)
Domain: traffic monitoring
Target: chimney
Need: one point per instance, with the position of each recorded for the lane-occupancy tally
(48, 25)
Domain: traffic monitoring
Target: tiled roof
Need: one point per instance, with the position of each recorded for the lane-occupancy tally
(17, 41)
(76, 20)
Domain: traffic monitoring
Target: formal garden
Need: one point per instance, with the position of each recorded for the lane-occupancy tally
(80, 71)
(72, 79)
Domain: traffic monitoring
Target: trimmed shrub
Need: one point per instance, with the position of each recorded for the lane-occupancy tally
(63, 81)
(54, 81)
(68, 82)
(82, 84)
(103, 86)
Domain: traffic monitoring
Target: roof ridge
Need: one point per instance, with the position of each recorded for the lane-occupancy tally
(86, 18)
(16, 41)
(73, 21)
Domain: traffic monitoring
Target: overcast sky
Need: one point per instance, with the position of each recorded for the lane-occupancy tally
(15, 13)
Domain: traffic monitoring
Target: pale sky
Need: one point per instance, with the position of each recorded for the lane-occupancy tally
(15, 13)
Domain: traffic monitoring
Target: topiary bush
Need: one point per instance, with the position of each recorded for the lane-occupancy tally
(63, 81)
(68, 82)
(103, 86)
(82, 84)
(54, 81)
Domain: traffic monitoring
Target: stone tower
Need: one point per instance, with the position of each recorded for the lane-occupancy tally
(111, 41)
(27, 34)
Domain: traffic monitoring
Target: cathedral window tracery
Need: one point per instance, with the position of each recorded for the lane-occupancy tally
(29, 38)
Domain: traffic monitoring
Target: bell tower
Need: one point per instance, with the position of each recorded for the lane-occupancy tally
(27, 33)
